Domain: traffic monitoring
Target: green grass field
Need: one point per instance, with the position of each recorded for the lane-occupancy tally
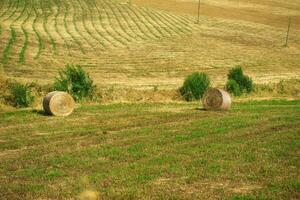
(153, 151)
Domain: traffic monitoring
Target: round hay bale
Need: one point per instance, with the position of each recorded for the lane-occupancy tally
(58, 103)
(216, 99)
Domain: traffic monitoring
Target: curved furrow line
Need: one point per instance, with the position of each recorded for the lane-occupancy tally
(106, 30)
(134, 29)
(13, 23)
(172, 24)
(45, 22)
(77, 30)
(125, 33)
(102, 36)
(144, 22)
(150, 20)
(83, 21)
(66, 11)
(176, 24)
(24, 47)
(15, 8)
(180, 18)
(164, 22)
(7, 9)
(176, 20)
(3, 8)
(8, 47)
(112, 24)
(58, 11)
(25, 44)
(22, 12)
(133, 18)
(97, 34)
(114, 33)
(158, 22)
(51, 25)
(40, 41)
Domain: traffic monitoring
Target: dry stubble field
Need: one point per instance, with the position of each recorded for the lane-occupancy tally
(148, 43)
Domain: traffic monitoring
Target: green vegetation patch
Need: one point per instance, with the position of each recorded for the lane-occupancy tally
(158, 151)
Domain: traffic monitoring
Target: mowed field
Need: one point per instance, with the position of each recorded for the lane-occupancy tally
(149, 43)
(153, 151)
(173, 150)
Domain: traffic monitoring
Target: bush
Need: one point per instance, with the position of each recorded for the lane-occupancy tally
(21, 95)
(233, 87)
(194, 86)
(245, 82)
(75, 81)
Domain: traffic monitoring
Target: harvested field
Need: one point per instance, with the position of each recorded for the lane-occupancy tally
(148, 43)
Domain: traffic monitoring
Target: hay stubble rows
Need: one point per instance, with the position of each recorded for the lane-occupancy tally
(128, 45)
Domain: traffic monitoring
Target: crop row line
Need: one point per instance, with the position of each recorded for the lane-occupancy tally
(25, 44)
(22, 12)
(7, 49)
(14, 9)
(7, 9)
(173, 23)
(149, 30)
(3, 4)
(76, 25)
(141, 36)
(133, 17)
(118, 34)
(58, 11)
(66, 11)
(167, 23)
(83, 17)
(150, 20)
(40, 41)
(45, 22)
(13, 23)
(113, 33)
(95, 27)
(98, 34)
(125, 33)
(166, 26)
(104, 27)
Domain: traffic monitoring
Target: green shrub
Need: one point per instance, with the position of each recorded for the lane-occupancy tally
(245, 82)
(233, 87)
(74, 80)
(21, 95)
(194, 86)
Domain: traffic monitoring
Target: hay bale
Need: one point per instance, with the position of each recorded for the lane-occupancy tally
(58, 103)
(216, 99)
(89, 195)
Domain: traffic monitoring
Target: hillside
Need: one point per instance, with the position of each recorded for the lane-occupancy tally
(139, 45)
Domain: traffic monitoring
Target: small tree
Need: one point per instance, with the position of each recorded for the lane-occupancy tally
(233, 87)
(245, 82)
(21, 95)
(195, 86)
(74, 80)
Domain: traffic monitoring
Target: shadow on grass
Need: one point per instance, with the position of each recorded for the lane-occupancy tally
(40, 112)
(200, 109)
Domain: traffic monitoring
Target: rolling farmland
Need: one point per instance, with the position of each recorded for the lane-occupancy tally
(134, 45)
(132, 134)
